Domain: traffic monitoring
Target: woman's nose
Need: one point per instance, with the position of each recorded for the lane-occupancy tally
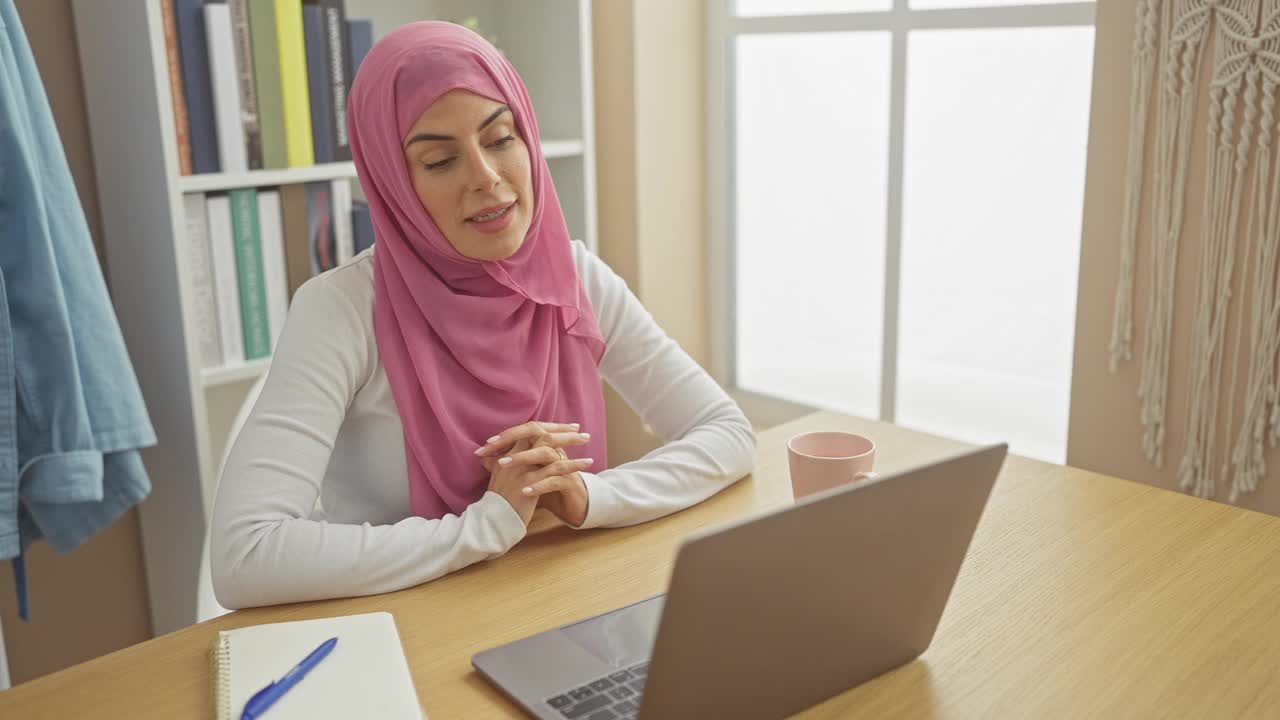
(482, 173)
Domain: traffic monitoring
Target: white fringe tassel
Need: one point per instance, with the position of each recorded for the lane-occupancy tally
(1184, 30)
(1235, 65)
(1141, 80)
(1264, 315)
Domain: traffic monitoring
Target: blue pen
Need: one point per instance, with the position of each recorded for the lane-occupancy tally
(267, 696)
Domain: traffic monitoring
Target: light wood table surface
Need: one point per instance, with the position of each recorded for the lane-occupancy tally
(1082, 596)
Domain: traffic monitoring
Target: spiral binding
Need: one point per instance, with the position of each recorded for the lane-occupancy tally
(220, 664)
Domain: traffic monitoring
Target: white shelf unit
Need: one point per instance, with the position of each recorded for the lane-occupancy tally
(213, 182)
(215, 376)
(125, 70)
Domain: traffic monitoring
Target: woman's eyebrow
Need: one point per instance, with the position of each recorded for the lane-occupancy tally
(493, 116)
(431, 136)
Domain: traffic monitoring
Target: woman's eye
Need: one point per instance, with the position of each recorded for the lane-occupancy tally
(503, 142)
(437, 164)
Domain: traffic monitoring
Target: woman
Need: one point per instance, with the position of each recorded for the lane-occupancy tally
(427, 396)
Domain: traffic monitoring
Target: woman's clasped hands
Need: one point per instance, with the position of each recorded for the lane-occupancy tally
(529, 468)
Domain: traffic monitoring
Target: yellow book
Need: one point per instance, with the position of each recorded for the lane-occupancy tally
(293, 81)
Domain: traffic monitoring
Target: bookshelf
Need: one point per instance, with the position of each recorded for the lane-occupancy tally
(125, 70)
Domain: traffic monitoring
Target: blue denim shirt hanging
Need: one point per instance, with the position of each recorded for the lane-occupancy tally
(71, 414)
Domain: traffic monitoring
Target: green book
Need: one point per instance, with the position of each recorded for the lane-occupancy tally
(252, 279)
(266, 79)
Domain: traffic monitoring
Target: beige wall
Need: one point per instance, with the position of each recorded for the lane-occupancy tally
(649, 88)
(92, 601)
(1105, 433)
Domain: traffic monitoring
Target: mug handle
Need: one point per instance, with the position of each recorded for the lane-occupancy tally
(868, 475)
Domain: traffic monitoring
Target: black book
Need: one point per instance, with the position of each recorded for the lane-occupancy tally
(361, 227)
(317, 50)
(339, 74)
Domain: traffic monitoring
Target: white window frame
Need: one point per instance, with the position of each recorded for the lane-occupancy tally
(722, 29)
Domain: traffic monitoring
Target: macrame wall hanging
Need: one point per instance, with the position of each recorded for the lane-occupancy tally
(1239, 235)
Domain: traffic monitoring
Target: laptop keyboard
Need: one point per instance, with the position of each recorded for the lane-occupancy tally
(615, 696)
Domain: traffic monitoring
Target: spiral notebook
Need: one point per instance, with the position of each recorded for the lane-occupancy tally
(366, 675)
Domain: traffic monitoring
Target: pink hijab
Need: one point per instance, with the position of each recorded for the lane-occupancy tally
(470, 347)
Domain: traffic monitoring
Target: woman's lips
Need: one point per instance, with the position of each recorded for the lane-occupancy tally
(493, 219)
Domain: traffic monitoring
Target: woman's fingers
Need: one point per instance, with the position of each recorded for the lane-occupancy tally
(563, 439)
(563, 467)
(550, 440)
(555, 483)
(555, 477)
(568, 466)
(543, 455)
(491, 463)
(531, 431)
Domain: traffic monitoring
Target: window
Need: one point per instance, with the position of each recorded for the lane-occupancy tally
(897, 190)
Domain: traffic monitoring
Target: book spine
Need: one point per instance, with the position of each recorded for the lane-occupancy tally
(253, 291)
(175, 88)
(245, 82)
(193, 52)
(293, 79)
(293, 208)
(339, 77)
(361, 227)
(226, 283)
(200, 260)
(320, 227)
(343, 243)
(360, 33)
(226, 93)
(266, 78)
(277, 286)
(317, 41)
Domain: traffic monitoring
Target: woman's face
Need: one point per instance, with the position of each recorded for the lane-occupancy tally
(471, 170)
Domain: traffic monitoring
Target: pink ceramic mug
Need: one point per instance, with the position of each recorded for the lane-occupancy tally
(823, 460)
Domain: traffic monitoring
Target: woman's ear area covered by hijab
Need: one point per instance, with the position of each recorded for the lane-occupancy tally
(470, 168)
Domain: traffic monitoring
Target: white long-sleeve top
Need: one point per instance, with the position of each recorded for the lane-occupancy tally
(313, 501)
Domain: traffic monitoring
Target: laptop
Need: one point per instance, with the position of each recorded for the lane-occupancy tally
(771, 614)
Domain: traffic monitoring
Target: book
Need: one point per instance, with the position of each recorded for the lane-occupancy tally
(317, 42)
(266, 80)
(365, 676)
(361, 227)
(253, 291)
(226, 284)
(226, 91)
(360, 33)
(204, 307)
(297, 235)
(245, 82)
(324, 251)
(176, 92)
(271, 232)
(340, 75)
(293, 79)
(193, 52)
(343, 244)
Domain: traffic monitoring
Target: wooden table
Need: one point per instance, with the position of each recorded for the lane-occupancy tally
(1082, 596)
